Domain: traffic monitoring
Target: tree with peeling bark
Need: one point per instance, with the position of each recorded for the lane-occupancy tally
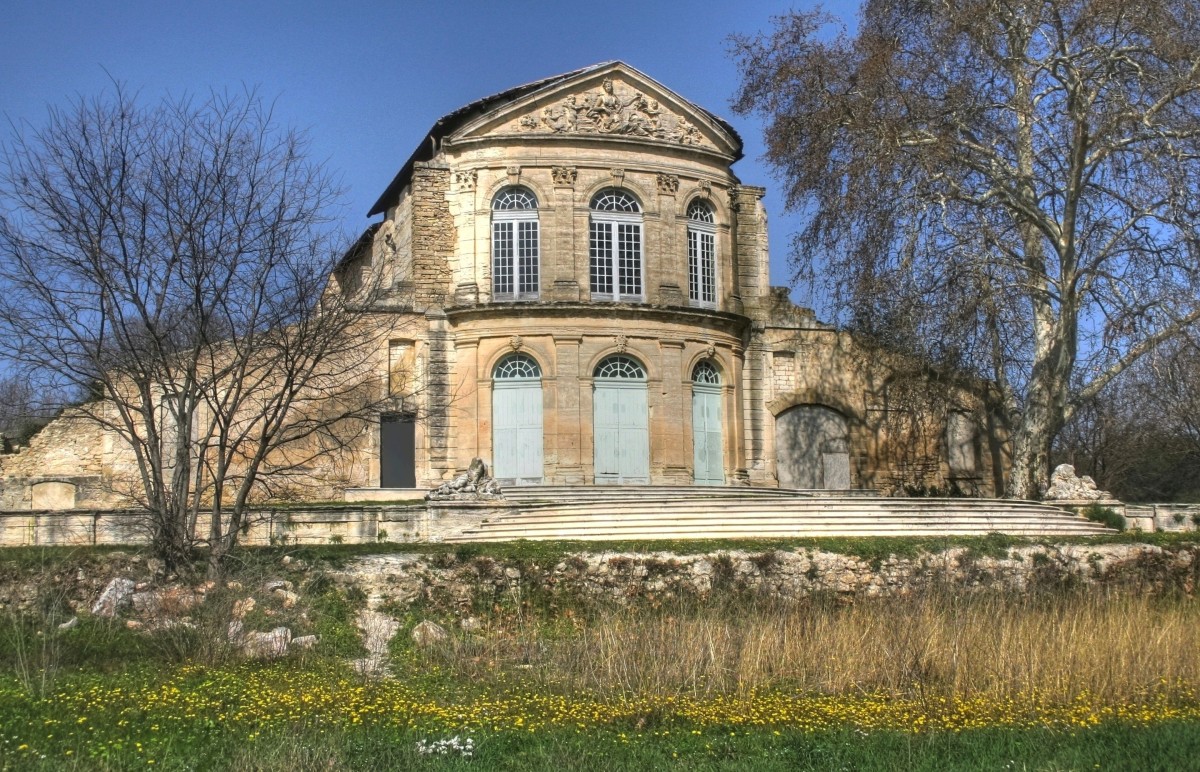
(171, 265)
(1006, 186)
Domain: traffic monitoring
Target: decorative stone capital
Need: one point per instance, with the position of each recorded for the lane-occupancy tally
(465, 180)
(564, 176)
(668, 184)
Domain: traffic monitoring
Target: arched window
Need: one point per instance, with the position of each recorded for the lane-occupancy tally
(620, 367)
(616, 246)
(704, 373)
(702, 255)
(517, 366)
(515, 255)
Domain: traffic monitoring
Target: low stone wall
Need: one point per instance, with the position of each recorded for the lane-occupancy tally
(1163, 517)
(360, 523)
(624, 577)
(314, 524)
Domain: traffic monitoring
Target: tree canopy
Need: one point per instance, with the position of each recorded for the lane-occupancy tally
(170, 265)
(1006, 186)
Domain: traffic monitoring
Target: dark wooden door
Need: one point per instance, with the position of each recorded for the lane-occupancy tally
(397, 451)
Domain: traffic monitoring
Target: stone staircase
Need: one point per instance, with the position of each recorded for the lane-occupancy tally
(694, 512)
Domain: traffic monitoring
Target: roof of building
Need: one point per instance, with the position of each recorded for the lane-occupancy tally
(450, 122)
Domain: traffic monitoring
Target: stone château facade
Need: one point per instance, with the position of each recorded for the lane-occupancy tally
(583, 289)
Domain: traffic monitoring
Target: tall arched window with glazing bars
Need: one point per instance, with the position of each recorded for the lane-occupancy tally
(702, 255)
(615, 246)
(515, 248)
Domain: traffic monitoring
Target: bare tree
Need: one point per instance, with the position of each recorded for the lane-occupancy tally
(22, 412)
(1140, 437)
(174, 263)
(1004, 185)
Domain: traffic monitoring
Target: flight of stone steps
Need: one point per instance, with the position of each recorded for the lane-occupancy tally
(692, 512)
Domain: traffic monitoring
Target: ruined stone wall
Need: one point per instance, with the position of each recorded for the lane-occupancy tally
(67, 455)
(898, 413)
(624, 578)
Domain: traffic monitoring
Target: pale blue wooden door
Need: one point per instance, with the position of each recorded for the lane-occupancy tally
(708, 456)
(621, 423)
(517, 423)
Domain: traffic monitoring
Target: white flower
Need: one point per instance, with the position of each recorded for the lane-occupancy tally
(463, 746)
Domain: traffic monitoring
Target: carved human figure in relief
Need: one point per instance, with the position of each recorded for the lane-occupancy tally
(560, 118)
(607, 112)
(637, 122)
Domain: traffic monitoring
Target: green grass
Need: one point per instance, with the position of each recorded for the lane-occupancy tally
(1170, 746)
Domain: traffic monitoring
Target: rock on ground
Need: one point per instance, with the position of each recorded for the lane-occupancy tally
(116, 597)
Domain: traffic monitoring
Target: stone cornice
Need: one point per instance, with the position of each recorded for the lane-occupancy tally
(733, 324)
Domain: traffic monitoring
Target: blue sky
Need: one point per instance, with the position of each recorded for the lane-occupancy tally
(367, 80)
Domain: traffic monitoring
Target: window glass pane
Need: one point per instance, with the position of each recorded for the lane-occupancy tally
(502, 258)
(629, 242)
(527, 257)
(601, 258)
(702, 269)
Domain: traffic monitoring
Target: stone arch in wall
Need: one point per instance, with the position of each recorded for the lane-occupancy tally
(812, 448)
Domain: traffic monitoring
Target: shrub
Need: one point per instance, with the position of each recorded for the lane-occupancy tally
(1105, 516)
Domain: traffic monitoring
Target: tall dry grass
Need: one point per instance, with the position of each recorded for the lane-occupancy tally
(1114, 647)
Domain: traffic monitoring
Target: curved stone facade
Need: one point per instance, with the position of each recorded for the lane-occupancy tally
(590, 215)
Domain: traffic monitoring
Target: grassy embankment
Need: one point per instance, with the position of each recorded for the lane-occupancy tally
(1052, 679)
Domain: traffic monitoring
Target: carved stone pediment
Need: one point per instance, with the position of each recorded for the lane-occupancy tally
(616, 108)
(618, 102)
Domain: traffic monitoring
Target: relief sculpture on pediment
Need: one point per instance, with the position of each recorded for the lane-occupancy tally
(615, 111)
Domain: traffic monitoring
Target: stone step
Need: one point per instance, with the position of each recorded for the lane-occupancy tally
(795, 530)
(683, 513)
(732, 509)
(614, 529)
(990, 523)
(556, 497)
